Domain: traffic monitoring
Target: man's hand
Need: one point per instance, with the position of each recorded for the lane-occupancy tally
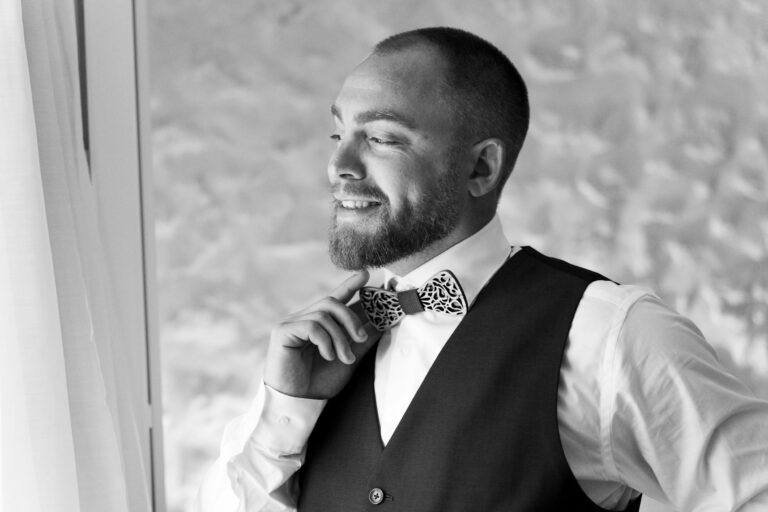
(312, 353)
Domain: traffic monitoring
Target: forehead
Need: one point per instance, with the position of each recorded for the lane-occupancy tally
(408, 82)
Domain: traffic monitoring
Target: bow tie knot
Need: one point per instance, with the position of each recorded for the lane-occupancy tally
(441, 293)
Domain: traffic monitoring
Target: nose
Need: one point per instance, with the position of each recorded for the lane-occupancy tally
(345, 162)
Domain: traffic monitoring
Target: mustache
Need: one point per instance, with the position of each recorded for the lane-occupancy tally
(361, 190)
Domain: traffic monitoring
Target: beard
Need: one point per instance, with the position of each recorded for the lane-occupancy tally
(392, 236)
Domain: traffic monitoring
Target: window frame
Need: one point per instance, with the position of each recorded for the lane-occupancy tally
(113, 39)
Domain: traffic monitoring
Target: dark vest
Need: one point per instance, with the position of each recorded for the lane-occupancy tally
(481, 434)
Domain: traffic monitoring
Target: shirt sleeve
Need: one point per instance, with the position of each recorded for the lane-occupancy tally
(260, 454)
(677, 426)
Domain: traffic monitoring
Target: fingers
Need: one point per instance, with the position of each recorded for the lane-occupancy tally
(366, 326)
(335, 304)
(317, 328)
(329, 324)
(339, 339)
(307, 330)
(346, 317)
(346, 290)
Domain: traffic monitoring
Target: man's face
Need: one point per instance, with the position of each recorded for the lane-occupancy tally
(396, 174)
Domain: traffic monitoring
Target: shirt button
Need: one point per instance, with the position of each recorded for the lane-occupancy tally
(284, 420)
(376, 496)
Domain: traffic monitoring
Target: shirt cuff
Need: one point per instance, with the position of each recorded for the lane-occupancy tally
(286, 422)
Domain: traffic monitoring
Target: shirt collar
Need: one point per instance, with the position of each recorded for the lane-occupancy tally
(473, 261)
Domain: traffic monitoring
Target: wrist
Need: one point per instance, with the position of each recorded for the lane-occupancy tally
(286, 421)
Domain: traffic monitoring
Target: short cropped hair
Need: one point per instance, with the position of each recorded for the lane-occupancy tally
(483, 86)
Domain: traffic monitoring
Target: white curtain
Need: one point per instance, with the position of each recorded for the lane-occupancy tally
(69, 439)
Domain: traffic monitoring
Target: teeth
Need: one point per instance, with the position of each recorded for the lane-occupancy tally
(356, 204)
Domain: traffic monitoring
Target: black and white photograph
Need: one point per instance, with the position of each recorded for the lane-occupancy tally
(402, 256)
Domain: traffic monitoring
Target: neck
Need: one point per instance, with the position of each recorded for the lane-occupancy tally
(405, 265)
(462, 231)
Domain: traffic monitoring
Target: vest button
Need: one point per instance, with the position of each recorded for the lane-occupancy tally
(376, 496)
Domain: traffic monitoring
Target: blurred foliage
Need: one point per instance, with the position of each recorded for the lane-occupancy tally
(647, 160)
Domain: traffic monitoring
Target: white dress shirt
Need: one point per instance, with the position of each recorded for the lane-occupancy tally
(643, 404)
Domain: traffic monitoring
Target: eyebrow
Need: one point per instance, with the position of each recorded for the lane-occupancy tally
(377, 115)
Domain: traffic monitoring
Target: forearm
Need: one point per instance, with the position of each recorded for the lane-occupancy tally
(260, 454)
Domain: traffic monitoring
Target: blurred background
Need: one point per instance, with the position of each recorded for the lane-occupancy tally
(647, 160)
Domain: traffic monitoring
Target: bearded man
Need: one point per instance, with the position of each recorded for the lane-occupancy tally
(482, 377)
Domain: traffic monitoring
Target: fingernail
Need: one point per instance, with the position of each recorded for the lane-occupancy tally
(362, 334)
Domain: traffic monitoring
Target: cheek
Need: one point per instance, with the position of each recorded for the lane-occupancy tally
(416, 192)
(407, 180)
(414, 187)
(425, 180)
(400, 192)
(399, 180)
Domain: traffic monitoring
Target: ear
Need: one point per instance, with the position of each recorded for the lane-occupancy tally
(488, 155)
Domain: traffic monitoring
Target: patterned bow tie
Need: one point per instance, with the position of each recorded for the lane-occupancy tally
(442, 293)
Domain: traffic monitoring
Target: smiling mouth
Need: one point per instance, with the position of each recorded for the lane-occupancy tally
(357, 205)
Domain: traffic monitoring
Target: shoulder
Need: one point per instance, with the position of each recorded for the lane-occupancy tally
(558, 266)
(606, 302)
(632, 332)
(643, 329)
(593, 341)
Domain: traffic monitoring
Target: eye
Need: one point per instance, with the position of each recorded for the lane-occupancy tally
(383, 142)
(336, 137)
